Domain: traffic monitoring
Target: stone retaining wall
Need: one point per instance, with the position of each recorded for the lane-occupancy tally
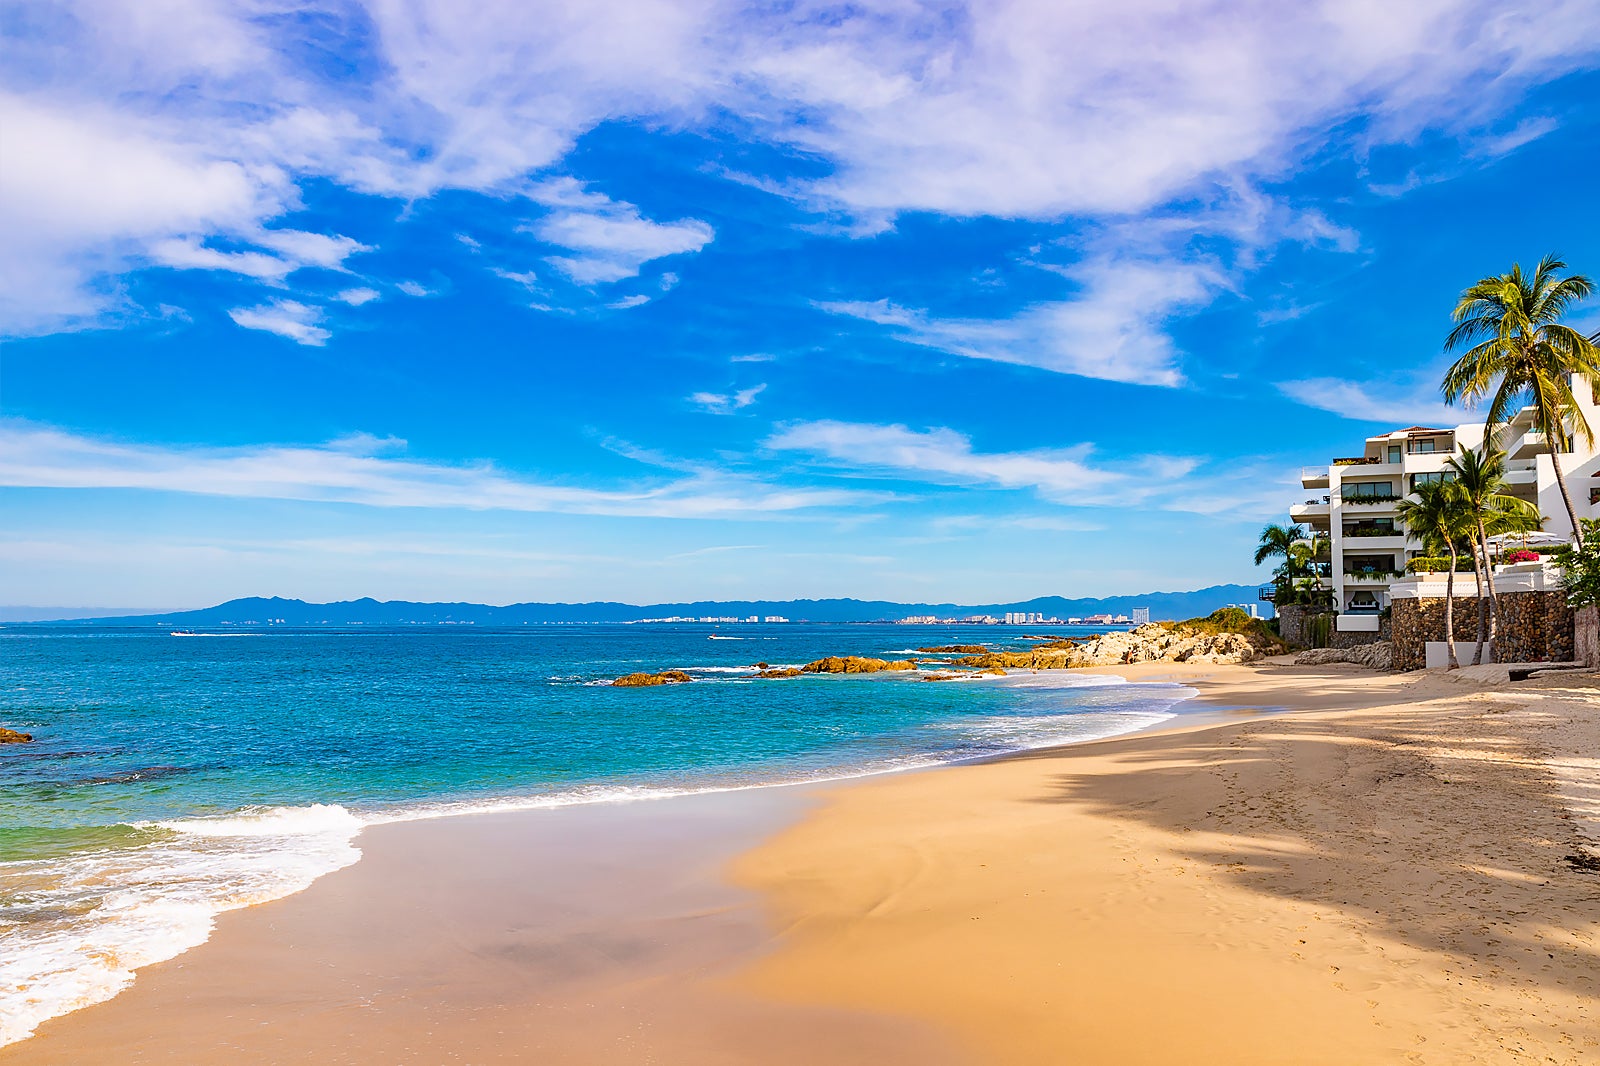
(1532, 627)
(1586, 638)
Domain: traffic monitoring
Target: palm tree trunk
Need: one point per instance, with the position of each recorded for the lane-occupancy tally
(1451, 662)
(1488, 570)
(1566, 497)
(1477, 573)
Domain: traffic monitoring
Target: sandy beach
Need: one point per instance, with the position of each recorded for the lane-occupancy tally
(1318, 865)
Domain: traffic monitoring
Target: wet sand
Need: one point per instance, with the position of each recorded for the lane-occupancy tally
(1380, 876)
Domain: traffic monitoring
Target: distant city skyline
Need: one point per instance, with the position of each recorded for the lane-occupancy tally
(662, 302)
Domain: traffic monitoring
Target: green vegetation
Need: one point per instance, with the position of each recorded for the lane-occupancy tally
(1580, 568)
(1228, 620)
(1439, 515)
(1478, 481)
(1521, 352)
(1296, 579)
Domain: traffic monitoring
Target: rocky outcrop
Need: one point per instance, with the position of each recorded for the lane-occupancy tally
(778, 671)
(965, 675)
(11, 736)
(1378, 655)
(665, 677)
(957, 649)
(856, 664)
(1216, 639)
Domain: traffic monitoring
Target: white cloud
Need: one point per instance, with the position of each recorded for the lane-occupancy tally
(414, 288)
(356, 470)
(944, 456)
(627, 302)
(189, 121)
(1356, 401)
(720, 403)
(358, 296)
(185, 253)
(1113, 330)
(286, 318)
(610, 239)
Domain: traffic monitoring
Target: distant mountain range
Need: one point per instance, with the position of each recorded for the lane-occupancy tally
(256, 610)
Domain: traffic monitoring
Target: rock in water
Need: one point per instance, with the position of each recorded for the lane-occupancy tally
(11, 736)
(665, 677)
(856, 664)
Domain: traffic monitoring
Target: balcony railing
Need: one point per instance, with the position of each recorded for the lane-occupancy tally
(1373, 531)
(1372, 575)
(1387, 497)
(1358, 460)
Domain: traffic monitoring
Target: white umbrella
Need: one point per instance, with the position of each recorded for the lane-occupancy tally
(1537, 539)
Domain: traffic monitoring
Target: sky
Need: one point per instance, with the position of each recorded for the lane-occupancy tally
(649, 301)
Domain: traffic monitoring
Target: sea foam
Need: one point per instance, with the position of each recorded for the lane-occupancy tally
(75, 929)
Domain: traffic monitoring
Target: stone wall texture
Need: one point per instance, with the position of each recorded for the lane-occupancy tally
(1532, 627)
(1587, 637)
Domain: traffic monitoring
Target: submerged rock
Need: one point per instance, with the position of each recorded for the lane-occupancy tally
(11, 736)
(780, 671)
(665, 677)
(856, 664)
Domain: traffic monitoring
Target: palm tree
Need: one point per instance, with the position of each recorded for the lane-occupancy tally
(1520, 349)
(1287, 542)
(1479, 477)
(1438, 515)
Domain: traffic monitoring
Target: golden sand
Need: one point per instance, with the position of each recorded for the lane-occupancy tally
(1380, 876)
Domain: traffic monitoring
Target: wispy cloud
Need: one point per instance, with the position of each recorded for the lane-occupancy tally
(362, 470)
(1113, 330)
(1397, 405)
(287, 318)
(944, 456)
(201, 124)
(358, 296)
(724, 403)
(610, 240)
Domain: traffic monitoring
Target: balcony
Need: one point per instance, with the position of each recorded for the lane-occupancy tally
(1522, 472)
(1371, 577)
(1359, 460)
(1309, 509)
(1527, 446)
(1314, 477)
(1386, 499)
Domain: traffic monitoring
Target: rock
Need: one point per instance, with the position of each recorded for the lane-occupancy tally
(782, 671)
(962, 649)
(1378, 655)
(11, 736)
(856, 664)
(665, 677)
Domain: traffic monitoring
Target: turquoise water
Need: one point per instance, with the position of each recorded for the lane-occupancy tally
(177, 776)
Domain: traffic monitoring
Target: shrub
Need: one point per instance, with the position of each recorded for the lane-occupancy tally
(1520, 555)
(1438, 564)
(1580, 573)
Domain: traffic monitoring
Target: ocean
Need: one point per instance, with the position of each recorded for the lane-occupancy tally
(176, 777)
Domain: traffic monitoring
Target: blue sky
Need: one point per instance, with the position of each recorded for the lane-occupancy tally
(650, 301)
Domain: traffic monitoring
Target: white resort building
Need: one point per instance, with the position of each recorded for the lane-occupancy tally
(1355, 507)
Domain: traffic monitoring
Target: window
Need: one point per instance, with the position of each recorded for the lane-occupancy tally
(1594, 497)
(1434, 478)
(1359, 489)
(1394, 453)
(1422, 447)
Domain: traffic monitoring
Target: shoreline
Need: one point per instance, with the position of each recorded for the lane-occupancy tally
(681, 990)
(349, 831)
